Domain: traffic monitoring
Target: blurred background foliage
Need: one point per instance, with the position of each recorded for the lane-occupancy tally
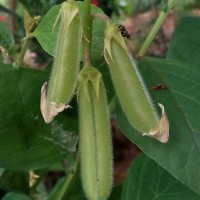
(119, 10)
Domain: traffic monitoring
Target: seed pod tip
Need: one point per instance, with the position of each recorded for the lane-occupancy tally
(49, 109)
(161, 132)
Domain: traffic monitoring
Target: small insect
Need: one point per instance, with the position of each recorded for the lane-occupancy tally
(159, 87)
(123, 31)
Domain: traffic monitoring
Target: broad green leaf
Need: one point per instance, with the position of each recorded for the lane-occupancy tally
(6, 38)
(180, 156)
(13, 181)
(26, 141)
(146, 180)
(15, 196)
(45, 33)
(47, 36)
(185, 43)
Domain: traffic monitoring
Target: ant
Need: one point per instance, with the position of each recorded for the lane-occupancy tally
(123, 31)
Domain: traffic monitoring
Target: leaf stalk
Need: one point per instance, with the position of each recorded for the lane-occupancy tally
(156, 27)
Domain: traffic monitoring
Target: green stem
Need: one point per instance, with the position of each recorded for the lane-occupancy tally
(87, 30)
(66, 186)
(161, 18)
(22, 52)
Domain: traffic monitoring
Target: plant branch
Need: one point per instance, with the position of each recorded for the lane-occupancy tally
(87, 30)
(22, 52)
(161, 18)
(66, 185)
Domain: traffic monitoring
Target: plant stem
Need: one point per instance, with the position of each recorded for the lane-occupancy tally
(22, 52)
(66, 186)
(87, 30)
(161, 18)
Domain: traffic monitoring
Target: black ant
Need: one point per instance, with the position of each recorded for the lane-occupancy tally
(123, 31)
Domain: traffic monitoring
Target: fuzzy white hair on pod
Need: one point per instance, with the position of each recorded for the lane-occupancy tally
(146, 92)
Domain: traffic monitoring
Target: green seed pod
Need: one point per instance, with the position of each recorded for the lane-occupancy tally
(95, 138)
(65, 69)
(130, 88)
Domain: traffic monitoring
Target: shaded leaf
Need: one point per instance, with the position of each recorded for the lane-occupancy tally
(185, 43)
(26, 141)
(116, 193)
(146, 180)
(12, 181)
(15, 196)
(180, 156)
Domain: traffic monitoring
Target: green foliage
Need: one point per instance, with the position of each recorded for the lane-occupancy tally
(45, 33)
(15, 181)
(27, 143)
(184, 45)
(146, 180)
(15, 196)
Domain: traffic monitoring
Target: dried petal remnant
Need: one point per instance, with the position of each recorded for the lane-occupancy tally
(160, 133)
(32, 178)
(49, 109)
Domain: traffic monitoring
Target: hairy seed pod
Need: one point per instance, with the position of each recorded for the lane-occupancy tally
(130, 88)
(65, 69)
(95, 138)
